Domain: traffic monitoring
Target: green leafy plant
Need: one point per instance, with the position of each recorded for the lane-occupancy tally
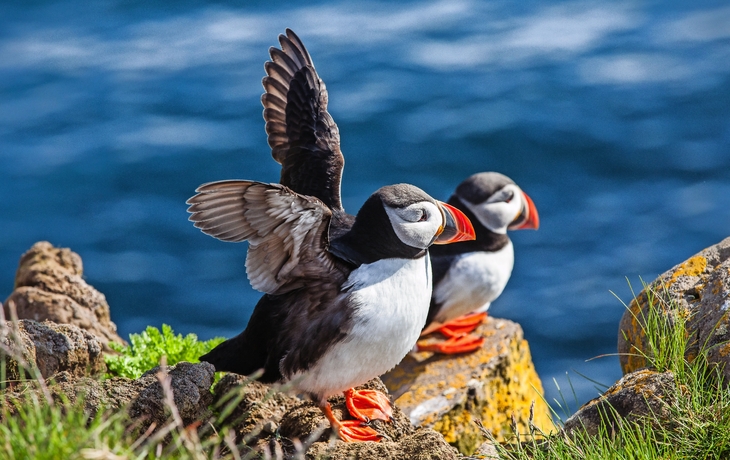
(146, 349)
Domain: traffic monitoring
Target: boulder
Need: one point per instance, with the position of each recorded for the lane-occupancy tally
(49, 347)
(639, 397)
(493, 385)
(698, 289)
(49, 286)
(190, 390)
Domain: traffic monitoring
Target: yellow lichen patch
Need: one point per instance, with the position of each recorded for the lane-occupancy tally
(724, 350)
(691, 267)
(503, 398)
(634, 361)
(633, 346)
(430, 377)
(460, 430)
(490, 385)
(633, 334)
(691, 355)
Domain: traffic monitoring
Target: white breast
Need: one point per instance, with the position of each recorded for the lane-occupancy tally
(473, 281)
(392, 297)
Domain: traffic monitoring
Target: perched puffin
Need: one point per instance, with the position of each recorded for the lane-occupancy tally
(469, 276)
(345, 297)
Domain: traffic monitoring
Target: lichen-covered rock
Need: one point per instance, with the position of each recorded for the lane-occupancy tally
(632, 399)
(697, 289)
(450, 393)
(49, 286)
(50, 347)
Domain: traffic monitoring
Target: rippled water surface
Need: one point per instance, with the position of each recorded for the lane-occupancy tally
(613, 116)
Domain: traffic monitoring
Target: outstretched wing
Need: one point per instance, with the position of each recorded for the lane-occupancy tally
(286, 231)
(303, 137)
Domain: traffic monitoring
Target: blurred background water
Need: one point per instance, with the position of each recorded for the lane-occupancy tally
(613, 116)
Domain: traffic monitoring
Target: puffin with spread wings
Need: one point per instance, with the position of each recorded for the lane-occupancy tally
(345, 297)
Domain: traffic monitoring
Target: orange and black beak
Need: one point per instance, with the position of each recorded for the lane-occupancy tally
(528, 217)
(456, 227)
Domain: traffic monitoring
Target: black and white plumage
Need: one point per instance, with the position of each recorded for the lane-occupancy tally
(346, 297)
(469, 276)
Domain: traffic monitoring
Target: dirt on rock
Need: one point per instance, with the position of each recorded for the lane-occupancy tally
(270, 421)
(254, 409)
(95, 395)
(423, 444)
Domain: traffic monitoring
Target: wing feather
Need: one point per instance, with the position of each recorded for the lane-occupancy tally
(276, 87)
(286, 231)
(283, 59)
(294, 48)
(274, 127)
(303, 137)
(277, 72)
(274, 115)
(271, 100)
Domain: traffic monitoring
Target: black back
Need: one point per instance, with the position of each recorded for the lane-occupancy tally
(286, 333)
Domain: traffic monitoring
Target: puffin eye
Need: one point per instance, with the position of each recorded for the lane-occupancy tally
(424, 217)
(510, 195)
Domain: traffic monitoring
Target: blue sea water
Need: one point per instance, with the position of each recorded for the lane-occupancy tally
(613, 116)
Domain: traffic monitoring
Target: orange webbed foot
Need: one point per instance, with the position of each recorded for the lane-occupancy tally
(355, 431)
(368, 405)
(349, 430)
(462, 325)
(465, 343)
